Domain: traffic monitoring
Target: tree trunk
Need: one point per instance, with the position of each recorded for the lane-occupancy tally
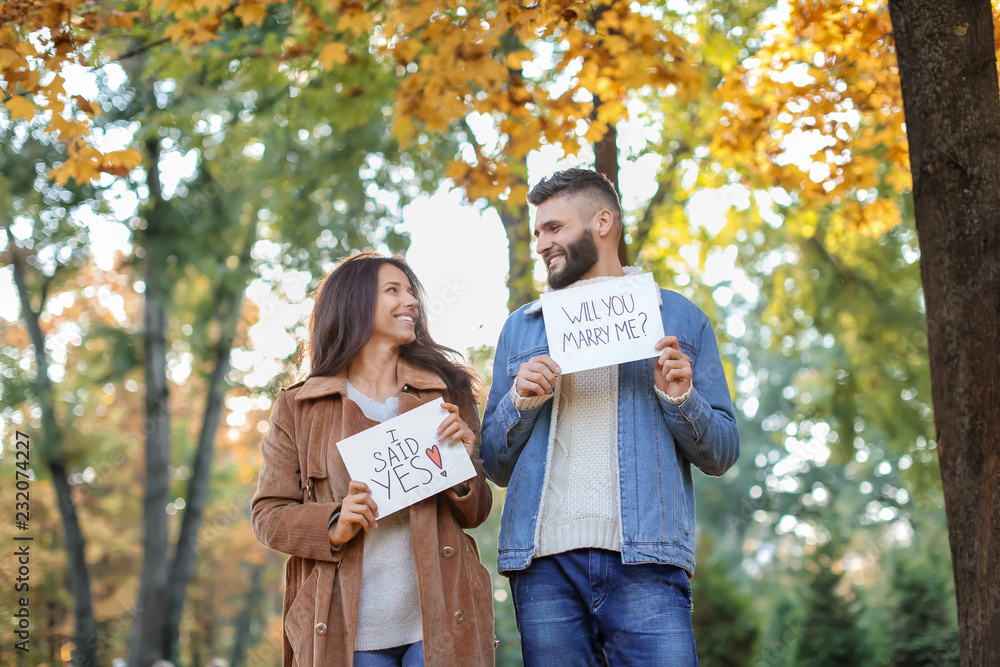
(85, 626)
(606, 149)
(244, 622)
(520, 278)
(147, 632)
(952, 105)
(606, 162)
(228, 307)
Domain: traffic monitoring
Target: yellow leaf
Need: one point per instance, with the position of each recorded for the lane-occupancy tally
(56, 87)
(67, 129)
(178, 7)
(120, 163)
(251, 12)
(122, 19)
(10, 58)
(180, 30)
(211, 5)
(26, 48)
(20, 107)
(82, 166)
(407, 50)
(515, 58)
(402, 130)
(333, 53)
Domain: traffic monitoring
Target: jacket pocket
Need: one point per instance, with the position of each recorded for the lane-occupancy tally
(476, 569)
(300, 622)
(514, 363)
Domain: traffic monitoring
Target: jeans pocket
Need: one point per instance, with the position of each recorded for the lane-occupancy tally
(684, 584)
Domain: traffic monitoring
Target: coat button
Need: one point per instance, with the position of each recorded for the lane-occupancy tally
(447, 552)
(321, 628)
(459, 616)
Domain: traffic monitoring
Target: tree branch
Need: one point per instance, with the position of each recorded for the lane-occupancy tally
(480, 159)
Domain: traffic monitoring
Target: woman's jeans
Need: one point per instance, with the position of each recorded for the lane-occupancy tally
(585, 607)
(408, 655)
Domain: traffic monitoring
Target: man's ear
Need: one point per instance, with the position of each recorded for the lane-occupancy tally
(605, 224)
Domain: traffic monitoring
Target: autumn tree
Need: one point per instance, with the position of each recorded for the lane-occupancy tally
(205, 236)
(40, 266)
(947, 64)
(799, 118)
(829, 72)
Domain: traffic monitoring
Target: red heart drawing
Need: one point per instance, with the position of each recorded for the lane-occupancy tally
(434, 454)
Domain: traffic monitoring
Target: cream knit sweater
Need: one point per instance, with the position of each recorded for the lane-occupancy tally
(581, 496)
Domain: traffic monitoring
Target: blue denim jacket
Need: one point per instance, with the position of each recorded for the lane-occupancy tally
(657, 440)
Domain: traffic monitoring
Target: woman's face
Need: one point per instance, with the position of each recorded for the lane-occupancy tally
(395, 307)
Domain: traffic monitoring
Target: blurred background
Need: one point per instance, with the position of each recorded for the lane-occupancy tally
(176, 177)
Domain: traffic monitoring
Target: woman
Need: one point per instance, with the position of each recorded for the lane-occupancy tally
(407, 589)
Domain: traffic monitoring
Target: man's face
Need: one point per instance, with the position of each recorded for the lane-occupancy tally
(564, 240)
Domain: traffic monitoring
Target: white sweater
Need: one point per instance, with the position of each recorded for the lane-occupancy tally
(389, 608)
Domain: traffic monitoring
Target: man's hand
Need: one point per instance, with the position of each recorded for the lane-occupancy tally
(537, 376)
(673, 368)
(357, 511)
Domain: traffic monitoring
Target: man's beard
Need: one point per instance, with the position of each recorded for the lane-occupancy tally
(578, 258)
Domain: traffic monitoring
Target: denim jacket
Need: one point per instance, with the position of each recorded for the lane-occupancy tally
(658, 441)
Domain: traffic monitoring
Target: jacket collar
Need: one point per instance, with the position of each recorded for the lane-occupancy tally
(408, 377)
(536, 307)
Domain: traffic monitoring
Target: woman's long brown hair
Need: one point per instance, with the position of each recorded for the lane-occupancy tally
(343, 320)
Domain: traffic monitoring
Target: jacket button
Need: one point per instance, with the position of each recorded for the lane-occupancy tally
(447, 552)
(321, 628)
(459, 616)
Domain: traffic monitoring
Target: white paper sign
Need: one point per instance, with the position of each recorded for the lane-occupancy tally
(604, 323)
(402, 461)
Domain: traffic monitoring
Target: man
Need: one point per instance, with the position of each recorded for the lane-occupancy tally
(597, 533)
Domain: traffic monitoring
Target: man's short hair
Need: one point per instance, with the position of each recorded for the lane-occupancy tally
(592, 184)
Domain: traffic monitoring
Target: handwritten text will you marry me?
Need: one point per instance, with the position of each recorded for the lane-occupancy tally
(594, 334)
(609, 322)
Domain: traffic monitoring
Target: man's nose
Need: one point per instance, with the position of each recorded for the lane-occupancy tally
(542, 245)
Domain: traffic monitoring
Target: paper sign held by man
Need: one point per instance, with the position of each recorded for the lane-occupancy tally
(604, 323)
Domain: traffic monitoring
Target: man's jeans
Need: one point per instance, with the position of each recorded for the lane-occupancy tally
(584, 607)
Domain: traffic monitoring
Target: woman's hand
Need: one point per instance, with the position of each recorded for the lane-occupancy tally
(453, 429)
(357, 511)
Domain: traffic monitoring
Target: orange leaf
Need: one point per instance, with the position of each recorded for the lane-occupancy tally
(85, 106)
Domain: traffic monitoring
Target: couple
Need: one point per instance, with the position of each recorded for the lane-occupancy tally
(597, 532)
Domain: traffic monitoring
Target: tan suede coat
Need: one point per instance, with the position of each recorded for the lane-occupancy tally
(297, 493)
